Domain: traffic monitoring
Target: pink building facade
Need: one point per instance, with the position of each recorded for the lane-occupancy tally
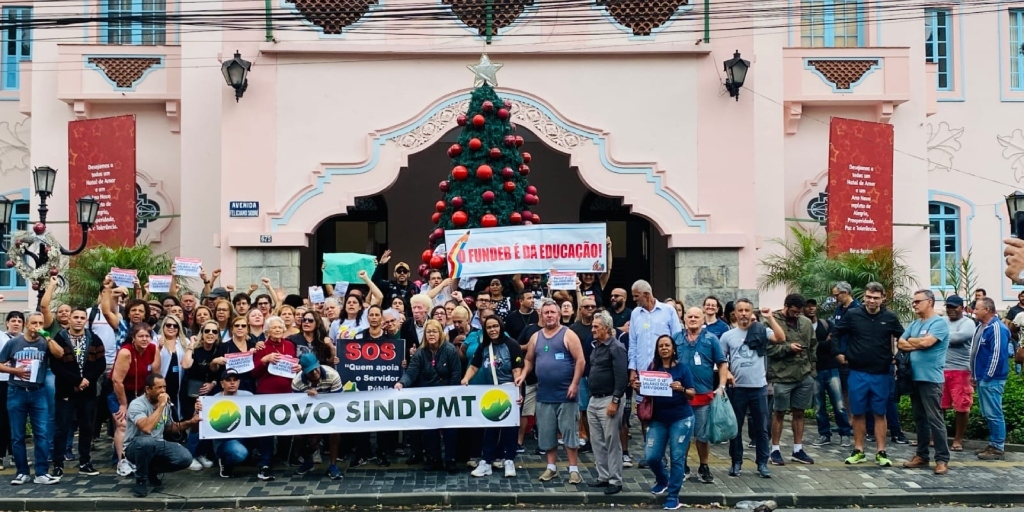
(341, 134)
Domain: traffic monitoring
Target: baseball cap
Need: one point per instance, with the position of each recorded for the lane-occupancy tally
(229, 372)
(219, 293)
(401, 264)
(308, 362)
(954, 301)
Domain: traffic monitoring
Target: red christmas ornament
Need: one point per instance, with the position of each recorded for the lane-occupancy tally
(536, 219)
(507, 173)
(530, 189)
(502, 113)
(531, 199)
(460, 219)
(457, 202)
(478, 120)
(475, 144)
(515, 218)
(427, 254)
(437, 234)
(440, 206)
(435, 218)
(495, 153)
(459, 173)
(510, 141)
(487, 196)
(54, 272)
(10, 264)
(524, 169)
(35, 286)
(489, 221)
(527, 216)
(454, 150)
(484, 172)
(423, 268)
(436, 262)
(507, 104)
(487, 106)
(39, 228)
(461, 119)
(519, 141)
(443, 186)
(510, 186)
(527, 157)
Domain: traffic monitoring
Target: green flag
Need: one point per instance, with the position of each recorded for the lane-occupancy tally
(345, 266)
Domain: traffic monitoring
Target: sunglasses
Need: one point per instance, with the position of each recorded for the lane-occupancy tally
(209, 331)
(240, 326)
(170, 326)
(401, 271)
(308, 320)
(589, 307)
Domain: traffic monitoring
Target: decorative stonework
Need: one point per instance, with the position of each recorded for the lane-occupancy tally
(817, 207)
(14, 152)
(474, 13)
(125, 72)
(1013, 150)
(153, 209)
(641, 16)
(332, 15)
(543, 126)
(843, 73)
(438, 124)
(943, 143)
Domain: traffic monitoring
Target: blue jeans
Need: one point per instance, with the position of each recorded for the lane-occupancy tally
(499, 443)
(755, 402)
(990, 399)
(830, 386)
(51, 408)
(677, 437)
(231, 452)
(24, 405)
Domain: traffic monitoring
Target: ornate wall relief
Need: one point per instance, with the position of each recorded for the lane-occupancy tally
(943, 143)
(153, 209)
(14, 145)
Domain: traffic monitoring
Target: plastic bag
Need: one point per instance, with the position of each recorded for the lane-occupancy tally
(722, 424)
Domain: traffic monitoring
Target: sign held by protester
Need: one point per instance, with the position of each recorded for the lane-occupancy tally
(240, 417)
(345, 266)
(526, 249)
(241, 362)
(562, 280)
(655, 383)
(371, 365)
(188, 267)
(123, 277)
(160, 284)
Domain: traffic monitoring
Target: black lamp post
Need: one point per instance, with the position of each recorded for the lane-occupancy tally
(1015, 205)
(235, 73)
(87, 207)
(736, 73)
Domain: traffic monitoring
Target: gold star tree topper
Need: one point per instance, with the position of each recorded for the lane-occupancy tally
(485, 72)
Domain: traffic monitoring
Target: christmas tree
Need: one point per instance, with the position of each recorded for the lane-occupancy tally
(487, 185)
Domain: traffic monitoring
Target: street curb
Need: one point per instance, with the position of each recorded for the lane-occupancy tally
(467, 500)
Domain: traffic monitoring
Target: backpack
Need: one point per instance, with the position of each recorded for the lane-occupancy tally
(904, 374)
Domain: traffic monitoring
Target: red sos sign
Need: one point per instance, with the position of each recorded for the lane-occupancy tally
(370, 351)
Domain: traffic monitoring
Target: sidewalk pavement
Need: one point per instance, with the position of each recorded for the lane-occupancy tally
(828, 483)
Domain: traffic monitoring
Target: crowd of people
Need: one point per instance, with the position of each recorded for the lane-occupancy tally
(136, 367)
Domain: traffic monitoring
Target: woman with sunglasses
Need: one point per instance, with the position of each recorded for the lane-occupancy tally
(203, 361)
(241, 343)
(172, 344)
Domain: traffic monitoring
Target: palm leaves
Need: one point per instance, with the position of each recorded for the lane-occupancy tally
(86, 272)
(804, 267)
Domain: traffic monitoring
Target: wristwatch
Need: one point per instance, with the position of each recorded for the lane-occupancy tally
(615, 399)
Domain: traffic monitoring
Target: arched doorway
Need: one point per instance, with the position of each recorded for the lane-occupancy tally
(364, 229)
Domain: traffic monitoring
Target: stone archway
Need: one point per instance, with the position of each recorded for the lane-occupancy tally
(336, 186)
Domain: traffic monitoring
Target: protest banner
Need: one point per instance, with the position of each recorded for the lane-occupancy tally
(345, 266)
(316, 294)
(283, 367)
(562, 280)
(370, 365)
(187, 267)
(526, 250)
(241, 417)
(655, 383)
(340, 288)
(159, 284)
(123, 277)
(241, 362)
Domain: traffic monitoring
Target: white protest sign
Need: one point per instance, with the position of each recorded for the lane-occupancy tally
(283, 367)
(655, 383)
(160, 284)
(340, 289)
(123, 277)
(526, 249)
(562, 280)
(316, 295)
(32, 365)
(187, 267)
(240, 362)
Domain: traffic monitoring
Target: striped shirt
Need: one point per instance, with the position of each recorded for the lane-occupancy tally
(330, 382)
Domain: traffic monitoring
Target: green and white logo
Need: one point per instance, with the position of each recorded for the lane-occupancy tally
(225, 416)
(495, 405)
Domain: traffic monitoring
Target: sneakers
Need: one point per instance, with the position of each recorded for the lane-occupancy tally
(672, 504)
(776, 458)
(704, 474)
(992, 453)
(333, 472)
(883, 460)
(735, 469)
(626, 461)
(659, 489)
(69, 456)
(899, 439)
(583, 442)
(643, 463)
(548, 475)
(823, 440)
(317, 458)
(306, 467)
(265, 474)
(383, 461)
(762, 471)
(856, 457)
(140, 490)
(46, 479)
(802, 457)
(575, 478)
(20, 479)
(87, 469)
(125, 468)
(207, 463)
(510, 468)
(845, 441)
(870, 438)
(481, 470)
(686, 472)
(195, 466)
(225, 470)
(520, 449)
(358, 461)
(472, 463)
(58, 471)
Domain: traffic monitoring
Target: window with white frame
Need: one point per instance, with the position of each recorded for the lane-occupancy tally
(831, 23)
(141, 22)
(17, 44)
(9, 278)
(944, 248)
(938, 45)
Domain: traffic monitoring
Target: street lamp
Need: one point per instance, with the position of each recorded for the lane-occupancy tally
(41, 248)
(1015, 205)
(736, 73)
(235, 72)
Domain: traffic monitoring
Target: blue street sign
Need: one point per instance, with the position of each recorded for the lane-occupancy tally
(244, 208)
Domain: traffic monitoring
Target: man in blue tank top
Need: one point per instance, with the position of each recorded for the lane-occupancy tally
(557, 355)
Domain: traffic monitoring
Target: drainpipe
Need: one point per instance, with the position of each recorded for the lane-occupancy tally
(270, 25)
(707, 21)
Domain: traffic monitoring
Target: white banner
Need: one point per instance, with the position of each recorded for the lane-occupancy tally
(239, 417)
(526, 249)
